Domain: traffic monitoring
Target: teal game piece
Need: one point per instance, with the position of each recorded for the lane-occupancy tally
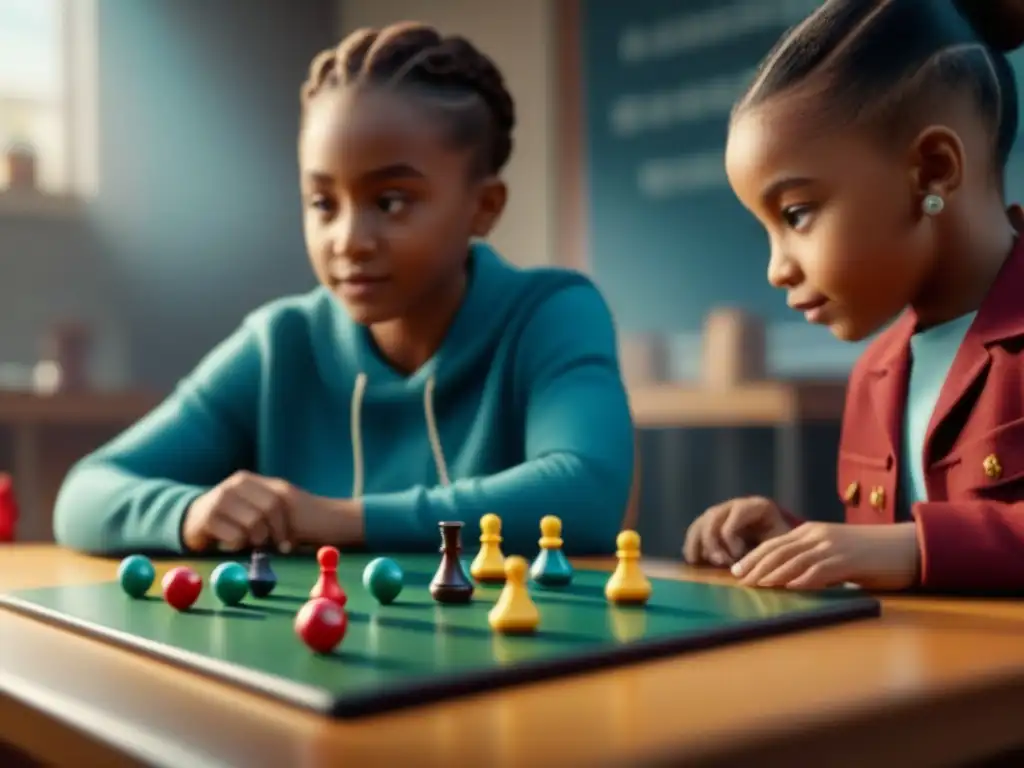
(136, 574)
(551, 567)
(230, 583)
(262, 579)
(383, 579)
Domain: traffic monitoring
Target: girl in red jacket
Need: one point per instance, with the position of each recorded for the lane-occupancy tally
(873, 145)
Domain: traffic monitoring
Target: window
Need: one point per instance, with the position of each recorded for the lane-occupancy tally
(48, 97)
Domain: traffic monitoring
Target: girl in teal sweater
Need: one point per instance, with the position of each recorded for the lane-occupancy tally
(424, 380)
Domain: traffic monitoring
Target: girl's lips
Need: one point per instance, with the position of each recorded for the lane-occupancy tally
(806, 306)
(816, 315)
(813, 309)
(362, 287)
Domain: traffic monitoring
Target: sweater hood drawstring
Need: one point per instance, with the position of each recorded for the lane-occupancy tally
(355, 420)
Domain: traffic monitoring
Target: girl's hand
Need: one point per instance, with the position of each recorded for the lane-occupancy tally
(821, 555)
(724, 533)
(249, 510)
(246, 510)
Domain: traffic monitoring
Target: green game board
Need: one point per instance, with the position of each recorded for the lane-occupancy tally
(415, 650)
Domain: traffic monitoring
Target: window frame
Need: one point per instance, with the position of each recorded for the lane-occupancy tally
(79, 110)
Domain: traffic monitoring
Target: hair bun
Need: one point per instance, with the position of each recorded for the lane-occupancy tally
(999, 23)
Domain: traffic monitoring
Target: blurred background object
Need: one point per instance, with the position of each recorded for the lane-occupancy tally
(8, 509)
(734, 351)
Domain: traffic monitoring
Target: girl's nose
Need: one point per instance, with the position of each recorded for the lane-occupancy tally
(783, 272)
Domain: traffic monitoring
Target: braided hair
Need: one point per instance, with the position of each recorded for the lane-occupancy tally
(449, 71)
(883, 61)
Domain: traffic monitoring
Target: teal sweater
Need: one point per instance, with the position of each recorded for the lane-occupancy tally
(521, 412)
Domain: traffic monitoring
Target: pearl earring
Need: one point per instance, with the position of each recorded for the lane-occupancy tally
(933, 204)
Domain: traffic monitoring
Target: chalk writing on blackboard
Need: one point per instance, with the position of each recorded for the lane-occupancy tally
(632, 114)
(660, 178)
(687, 32)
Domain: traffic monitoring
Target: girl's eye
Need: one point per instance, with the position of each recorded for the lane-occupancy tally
(392, 203)
(321, 203)
(797, 216)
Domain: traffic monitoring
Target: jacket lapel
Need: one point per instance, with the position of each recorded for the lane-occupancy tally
(1000, 317)
(887, 381)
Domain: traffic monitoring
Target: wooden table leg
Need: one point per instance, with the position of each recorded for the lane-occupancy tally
(33, 525)
(789, 480)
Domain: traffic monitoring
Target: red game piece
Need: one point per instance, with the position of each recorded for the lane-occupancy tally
(321, 624)
(182, 587)
(8, 509)
(327, 585)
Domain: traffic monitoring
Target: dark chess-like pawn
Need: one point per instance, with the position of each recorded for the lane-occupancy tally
(262, 578)
(451, 584)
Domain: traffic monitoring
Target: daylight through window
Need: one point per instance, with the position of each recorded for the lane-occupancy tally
(47, 96)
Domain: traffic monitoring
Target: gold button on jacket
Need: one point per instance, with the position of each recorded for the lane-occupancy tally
(993, 469)
(877, 498)
(852, 494)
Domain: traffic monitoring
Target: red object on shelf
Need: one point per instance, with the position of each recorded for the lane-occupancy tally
(8, 509)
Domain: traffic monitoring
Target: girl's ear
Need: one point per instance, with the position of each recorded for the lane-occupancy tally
(937, 162)
(491, 197)
(1015, 213)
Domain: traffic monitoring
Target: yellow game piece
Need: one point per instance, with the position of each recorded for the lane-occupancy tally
(550, 532)
(628, 584)
(489, 564)
(515, 611)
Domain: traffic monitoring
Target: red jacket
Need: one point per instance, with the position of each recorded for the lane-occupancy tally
(971, 530)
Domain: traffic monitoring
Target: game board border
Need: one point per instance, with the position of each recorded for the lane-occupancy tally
(434, 690)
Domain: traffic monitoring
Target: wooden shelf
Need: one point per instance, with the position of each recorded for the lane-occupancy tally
(770, 403)
(657, 405)
(87, 409)
(39, 205)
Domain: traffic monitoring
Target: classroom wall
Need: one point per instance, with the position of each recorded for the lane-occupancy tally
(198, 217)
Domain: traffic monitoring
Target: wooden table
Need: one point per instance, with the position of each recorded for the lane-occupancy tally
(933, 682)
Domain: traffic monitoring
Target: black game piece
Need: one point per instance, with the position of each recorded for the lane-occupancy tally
(262, 578)
(451, 584)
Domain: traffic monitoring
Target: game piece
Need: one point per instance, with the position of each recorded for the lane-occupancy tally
(182, 586)
(136, 574)
(450, 583)
(628, 584)
(551, 568)
(488, 566)
(321, 624)
(230, 583)
(327, 585)
(383, 579)
(515, 612)
(8, 509)
(262, 578)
